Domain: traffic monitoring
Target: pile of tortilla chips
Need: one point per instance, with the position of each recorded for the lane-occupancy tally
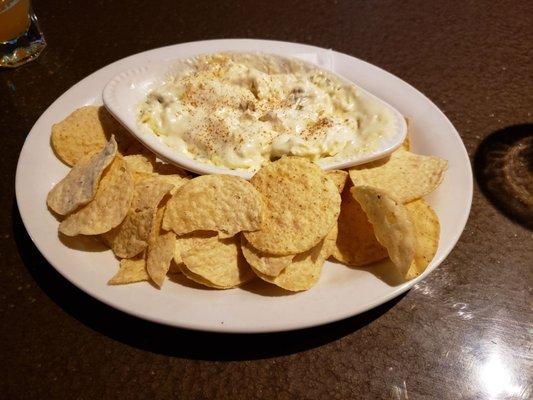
(222, 231)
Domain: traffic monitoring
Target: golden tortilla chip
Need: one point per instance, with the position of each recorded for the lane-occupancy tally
(109, 206)
(85, 132)
(427, 231)
(218, 261)
(223, 203)
(301, 206)
(79, 135)
(131, 236)
(305, 269)
(338, 176)
(392, 226)
(159, 256)
(356, 243)
(175, 180)
(198, 279)
(158, 222)
(267, 264)
(149, 192)
(191, 240)
(131, 270)
(404, 175)
(80, 184)
(330, 242)
(165, 172)
(139, 176)
(140, 163)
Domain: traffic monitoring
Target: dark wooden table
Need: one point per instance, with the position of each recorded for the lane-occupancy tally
(464, 332)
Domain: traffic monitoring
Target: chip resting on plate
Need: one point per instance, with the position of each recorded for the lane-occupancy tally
(140, 163)
(329, 243)
(219, 261)
(131, 236)
(356, 243)
(149, 192)
(392, 224)
(186, 242)
(338, 176)
(160, 250)
(427, 231)
(109, 206)
(159, 256)
(404, 175)
(80, 184)
(86, 131)
(267, 264)
(304, 270)
(223, 203)
(197, 278)
(174, 179)
(131, 271)
(301, 206)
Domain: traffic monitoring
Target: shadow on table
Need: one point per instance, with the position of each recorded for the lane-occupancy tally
(174, 341)
(503, 167)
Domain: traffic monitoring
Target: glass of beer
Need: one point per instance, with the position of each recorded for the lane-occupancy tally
(21, 40)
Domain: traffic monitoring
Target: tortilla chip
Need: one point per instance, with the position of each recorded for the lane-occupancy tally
(404, 175)
(301, 206)
(356, 243)
(267, 264)
(140, 163)
(330, 242)
(85, 132)
(131, 236)
(338, 176)
(159, 256)
(218, 261)
(149, 192)
(175, 180)
(109, 206)
(158, 222)
(79, 186)
(305, 269)
(78, 135)
(198, 279)
(222, 203)
(131, 271)
(186, 242)
(427, 231)
(392, 226)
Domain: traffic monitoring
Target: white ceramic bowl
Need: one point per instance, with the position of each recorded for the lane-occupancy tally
(126, 90)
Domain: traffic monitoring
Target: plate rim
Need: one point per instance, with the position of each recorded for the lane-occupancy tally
(460, 223)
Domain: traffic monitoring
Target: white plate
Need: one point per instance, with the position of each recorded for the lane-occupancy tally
(125, 91)
(341, 292)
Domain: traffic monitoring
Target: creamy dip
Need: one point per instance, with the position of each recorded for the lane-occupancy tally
(241, 110)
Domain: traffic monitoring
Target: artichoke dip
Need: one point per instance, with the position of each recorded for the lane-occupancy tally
(241, 110)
